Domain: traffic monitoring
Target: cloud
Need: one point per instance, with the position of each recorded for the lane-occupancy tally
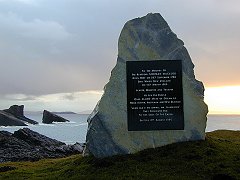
(70, 96)
(19, 97)
(44, 30)
(75, 101)
(28, 2)
(75, 95)
(61, 46)
(36, 28)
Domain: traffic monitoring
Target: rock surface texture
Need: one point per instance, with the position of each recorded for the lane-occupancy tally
(27, 145)
(146, 38)
(14, 116)
(49, 118)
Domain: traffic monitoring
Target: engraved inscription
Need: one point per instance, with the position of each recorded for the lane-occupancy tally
(154, 95)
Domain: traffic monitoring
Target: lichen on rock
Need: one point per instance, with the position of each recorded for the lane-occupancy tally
(145, 38)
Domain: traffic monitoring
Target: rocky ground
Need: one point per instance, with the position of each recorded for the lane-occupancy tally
(215, 158)
(27, 145)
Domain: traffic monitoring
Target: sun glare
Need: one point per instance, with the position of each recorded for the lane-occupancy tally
(223, 100)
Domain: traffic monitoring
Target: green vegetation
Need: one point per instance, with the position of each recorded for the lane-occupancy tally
(218, 156)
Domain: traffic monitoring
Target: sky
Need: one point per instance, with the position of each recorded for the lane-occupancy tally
(58, 54)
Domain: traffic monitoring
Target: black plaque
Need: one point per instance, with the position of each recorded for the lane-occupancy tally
(154, 95)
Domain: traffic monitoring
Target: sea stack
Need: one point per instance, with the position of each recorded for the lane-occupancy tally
(49, 118)
(14, 116)
(146, 38)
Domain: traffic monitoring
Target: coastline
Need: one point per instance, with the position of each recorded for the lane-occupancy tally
(216, 157)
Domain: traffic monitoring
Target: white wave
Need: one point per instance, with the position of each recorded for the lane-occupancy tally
(43, 124)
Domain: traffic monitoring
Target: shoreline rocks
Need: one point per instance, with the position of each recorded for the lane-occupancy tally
(49, 118)
(28, 145)
(14, 116)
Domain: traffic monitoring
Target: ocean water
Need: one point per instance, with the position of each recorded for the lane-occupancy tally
(76, 129)
(229, 122)
(68, 132)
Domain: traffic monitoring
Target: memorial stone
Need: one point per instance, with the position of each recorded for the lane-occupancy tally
(152, 98)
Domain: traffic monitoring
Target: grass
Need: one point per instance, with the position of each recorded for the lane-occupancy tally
(216, 157)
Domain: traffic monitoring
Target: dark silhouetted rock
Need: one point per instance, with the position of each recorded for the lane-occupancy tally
(27, 145)
(49, 118)
(35, 139)
(7, 119)
(14, 116)
(16, 110)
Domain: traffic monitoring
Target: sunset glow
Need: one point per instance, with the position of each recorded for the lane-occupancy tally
(223, 100)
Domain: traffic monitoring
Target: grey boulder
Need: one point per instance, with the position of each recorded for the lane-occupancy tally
(145, 38)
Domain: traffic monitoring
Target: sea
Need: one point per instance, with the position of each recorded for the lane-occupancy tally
(75, 130)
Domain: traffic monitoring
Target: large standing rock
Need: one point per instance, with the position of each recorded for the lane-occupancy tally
(7, 119)
(18, 112)
(49, 118)
(14, 116)
(146, 38)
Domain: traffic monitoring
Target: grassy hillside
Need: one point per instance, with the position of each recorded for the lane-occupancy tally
(218, 156)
